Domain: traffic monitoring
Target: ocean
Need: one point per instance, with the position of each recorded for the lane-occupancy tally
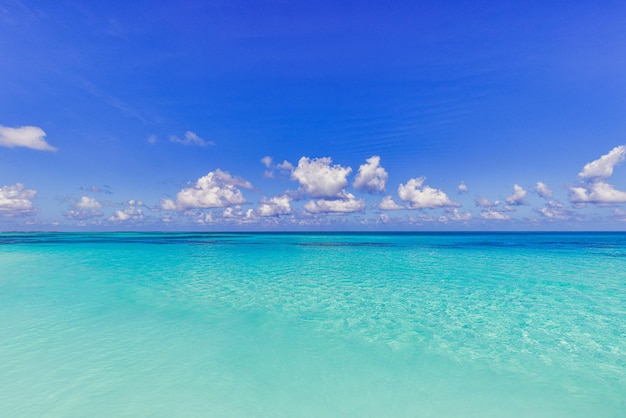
(313, 325)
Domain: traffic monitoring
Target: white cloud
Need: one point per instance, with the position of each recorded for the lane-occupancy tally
(345, 205)
(555, 210)
(517, 197)
(284, 168)
(491, 214)
(543, 190)
(168, 204)
(215, 190)
(205, 218)
(463, 187)
(191, 138)
(602, 168)
(371, 176)
(267, 161)
(16, 201)
(230, 212)
(86, 202)
(24, 136)
(85, 208)
(389, 204)
(119, 216)
(422, 196)
(152, 139)
(455, 215)
(277, 205)
(598, 192)
(319, 179)
(593, 175)
(483, 202)
(132, 211)
(421, 219)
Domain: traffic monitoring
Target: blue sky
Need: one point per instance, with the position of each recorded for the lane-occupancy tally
(288, 115)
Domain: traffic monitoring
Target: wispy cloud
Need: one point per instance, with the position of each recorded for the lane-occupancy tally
(112, 101)
(492, 214)
(190, 139)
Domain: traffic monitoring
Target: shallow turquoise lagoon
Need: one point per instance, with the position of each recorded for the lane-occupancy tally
(313, 325)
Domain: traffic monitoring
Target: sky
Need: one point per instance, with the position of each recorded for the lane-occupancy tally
(327, 115)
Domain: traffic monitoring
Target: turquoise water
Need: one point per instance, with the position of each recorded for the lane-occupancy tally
(313, 325)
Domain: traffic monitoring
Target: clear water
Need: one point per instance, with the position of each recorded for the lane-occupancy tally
(337, 325)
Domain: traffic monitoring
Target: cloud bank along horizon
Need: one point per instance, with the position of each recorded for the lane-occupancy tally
(319, 193)
(312, 115)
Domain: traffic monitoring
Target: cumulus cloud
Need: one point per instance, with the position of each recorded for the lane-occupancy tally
(462, 187)
(215, 190)
(85, 208)
(371, 177)
(455, 215)
(554, 210)
(119, 216)
(593, 177)
(319, 179)
(267, 161)
(283, 168)
(491, 214)
(517, 197)
(86, 202)
(16, 200)
(168, 204)
(389, 204)
(421, 196)
(133, 211)
(483, 202)
(602, 168)
(191, 138)
(349, 203)
(543, 190)
(277, 205)
(205, 218)
(231, 212)
(597, 192)
(25, 136)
